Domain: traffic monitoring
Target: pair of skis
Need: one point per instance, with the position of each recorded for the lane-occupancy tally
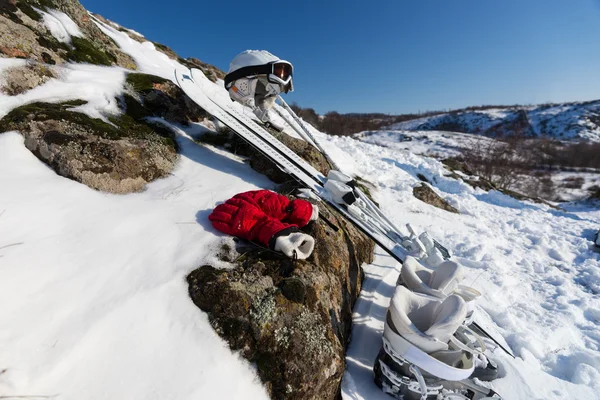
(337, 189)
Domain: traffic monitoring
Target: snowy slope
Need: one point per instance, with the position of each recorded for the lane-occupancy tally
(535, 266)
(93, 289)
(95, 303)
(580, 120)
(92, 285)
(438, 144)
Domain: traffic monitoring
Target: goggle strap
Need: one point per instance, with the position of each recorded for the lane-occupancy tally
(265, 69)
(247, 71)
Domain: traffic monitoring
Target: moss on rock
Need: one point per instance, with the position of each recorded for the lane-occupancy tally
(118, 157)
(143, 82)
(85, 51)
(28, 10)
(162, 98)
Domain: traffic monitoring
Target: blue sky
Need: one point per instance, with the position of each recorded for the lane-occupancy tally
(391, 56)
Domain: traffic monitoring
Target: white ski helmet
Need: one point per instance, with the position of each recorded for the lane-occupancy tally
(261, 62)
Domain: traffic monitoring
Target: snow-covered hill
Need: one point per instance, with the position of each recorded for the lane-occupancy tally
(437, 144)
(567, 185)
(93, 292)
(569, 121)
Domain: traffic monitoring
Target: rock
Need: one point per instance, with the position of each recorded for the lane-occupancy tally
(13, 52)
(423, 178)
(20, 79)
(213, 73)
(261, 163)
(425, 193)
(119, 158)
(23, 34)
(292, 321)
(161, 97)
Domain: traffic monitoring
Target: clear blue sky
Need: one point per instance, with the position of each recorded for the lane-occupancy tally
(391, 56)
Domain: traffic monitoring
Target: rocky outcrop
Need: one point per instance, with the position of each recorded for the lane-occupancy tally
(161, 98)
(518, 126)
(21, 79)
(292, 321)
(210, 71)
(119, 158)
(425, 193)
(23, 35)
(261, 163)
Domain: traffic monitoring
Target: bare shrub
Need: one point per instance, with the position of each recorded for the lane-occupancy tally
(335, 123)
(573, 182)
(594, 192)
(558, 155)
(499, 162)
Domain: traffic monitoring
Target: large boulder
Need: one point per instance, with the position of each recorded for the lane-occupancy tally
(120, 157)
(293, 321)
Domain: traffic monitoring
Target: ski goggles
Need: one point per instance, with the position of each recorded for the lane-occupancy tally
(280, 72)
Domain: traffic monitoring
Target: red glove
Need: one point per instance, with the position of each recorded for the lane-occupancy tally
(297, 212)
(267, 218)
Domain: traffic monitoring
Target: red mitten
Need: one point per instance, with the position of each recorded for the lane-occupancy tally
(301, 212)
(297, 212)
(257, 216)
(241, 218)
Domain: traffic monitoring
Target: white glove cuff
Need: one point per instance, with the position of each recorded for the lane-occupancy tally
(315, 213)
(298, 242)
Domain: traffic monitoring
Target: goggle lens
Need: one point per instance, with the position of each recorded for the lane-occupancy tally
(282, 71)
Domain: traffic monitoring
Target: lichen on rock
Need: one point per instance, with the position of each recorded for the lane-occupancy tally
(18, 80)
(292, 321)
(23, 34)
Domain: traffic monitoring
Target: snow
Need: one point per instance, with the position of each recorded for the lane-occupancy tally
(534, 265)
(6, 63)
(60, 25)
(97, 85)
(145, 55)
(438, 144)
(104, 275)
(567, 183)
(561, 121)
(95, 303)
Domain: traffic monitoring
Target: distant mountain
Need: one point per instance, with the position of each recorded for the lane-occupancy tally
(567, 121)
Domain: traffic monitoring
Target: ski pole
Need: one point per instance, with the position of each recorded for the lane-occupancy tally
(307, 132)
(476, 325)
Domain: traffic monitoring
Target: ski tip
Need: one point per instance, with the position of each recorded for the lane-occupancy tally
(182, 75)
